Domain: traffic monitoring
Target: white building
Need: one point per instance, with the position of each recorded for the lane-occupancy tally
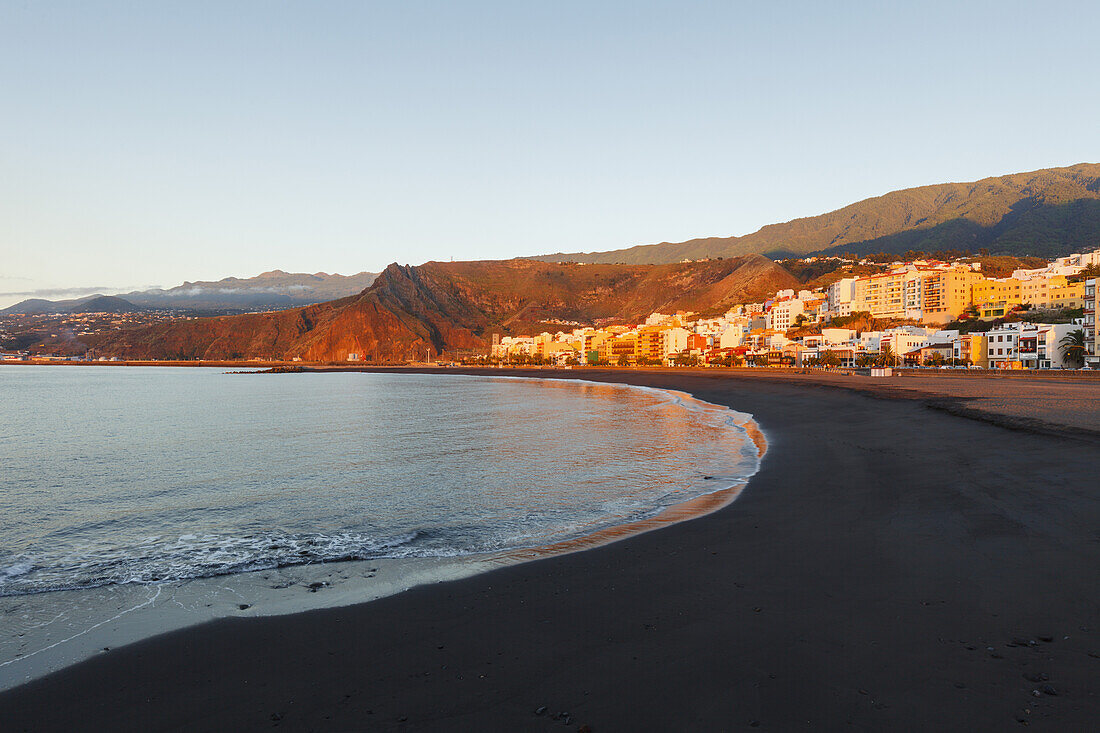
(1092, 338)
(837, 336)
(1068, 265)
(782, 314)
(514, 346)
(776, 341)
(1039, 345)
(904, 339)
(655, 319)
(870, 340)
(840, 295)
(674, 340)
(732, 336)
(1002, 345)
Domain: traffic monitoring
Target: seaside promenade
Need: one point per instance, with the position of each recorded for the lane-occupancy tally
(892, 566)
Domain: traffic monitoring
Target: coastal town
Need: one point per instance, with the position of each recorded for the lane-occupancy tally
(863, 313)
(913, 313)
(549, 367)
(58, 335)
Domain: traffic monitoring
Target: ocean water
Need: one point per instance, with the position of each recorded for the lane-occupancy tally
(122, 487)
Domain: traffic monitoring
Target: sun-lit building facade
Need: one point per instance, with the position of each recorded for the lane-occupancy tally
(921, 295)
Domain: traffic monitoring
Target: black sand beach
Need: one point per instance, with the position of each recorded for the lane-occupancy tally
(891, 567)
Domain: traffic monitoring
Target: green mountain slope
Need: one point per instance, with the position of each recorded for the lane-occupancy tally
(1045, 213)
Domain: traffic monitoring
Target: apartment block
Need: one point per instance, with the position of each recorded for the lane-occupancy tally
(1002, 346)
(1092, 333)
(649, 344)
(935, 293)
(940, 296)
(996, 297)
(782, 314)
(1039, 345)
(883, 295)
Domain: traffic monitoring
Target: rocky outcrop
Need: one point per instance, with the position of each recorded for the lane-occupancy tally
(409, 313)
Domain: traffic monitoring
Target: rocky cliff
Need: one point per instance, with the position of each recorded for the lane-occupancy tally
(412, 312)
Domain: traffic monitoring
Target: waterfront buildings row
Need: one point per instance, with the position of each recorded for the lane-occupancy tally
(932, 293)
(936, 292)
(1017, 345)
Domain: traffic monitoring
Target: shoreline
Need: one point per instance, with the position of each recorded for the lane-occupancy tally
(1072, 404)
(947, 390)
(684, 511)
(145, 619)
(330, 366)
(1029, 398)
(891, 567)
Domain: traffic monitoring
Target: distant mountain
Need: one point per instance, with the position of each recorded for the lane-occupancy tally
(269, 291)
(1045, 213)
(410, 312)
(88, 304)
(35, 306)
(105, 304)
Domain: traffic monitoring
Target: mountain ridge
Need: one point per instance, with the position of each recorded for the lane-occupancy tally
(411, 312)
(1049, 212)
(267, 291)
(95, 303)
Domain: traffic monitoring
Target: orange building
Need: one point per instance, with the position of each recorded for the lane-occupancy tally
(648, 344)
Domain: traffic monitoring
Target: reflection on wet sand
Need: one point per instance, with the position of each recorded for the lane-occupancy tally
(690, 509)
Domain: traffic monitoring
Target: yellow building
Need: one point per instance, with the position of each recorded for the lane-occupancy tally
(1035, 292)
(1065, 294)
(971, 347)
(994, 298)
(625, 346)
(593, 340)
(937, 295)
(542, 342)
(561, 350)
(944, 294)
(1052, 292)
(613, 349)
(990, 289)
(994, 308)
(930, 294)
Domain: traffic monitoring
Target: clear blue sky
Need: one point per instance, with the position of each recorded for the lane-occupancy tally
(150, 143)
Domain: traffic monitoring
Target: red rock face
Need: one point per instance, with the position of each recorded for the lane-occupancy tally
(413, 312)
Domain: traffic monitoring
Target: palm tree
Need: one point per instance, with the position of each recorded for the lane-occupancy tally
(1073, 347)
(887, 355)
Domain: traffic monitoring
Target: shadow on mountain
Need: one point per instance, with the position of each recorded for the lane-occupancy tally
(1049, 212)
(1029, 228)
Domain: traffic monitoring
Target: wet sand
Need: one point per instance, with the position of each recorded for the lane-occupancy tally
(891, 567)
(1051, 402)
